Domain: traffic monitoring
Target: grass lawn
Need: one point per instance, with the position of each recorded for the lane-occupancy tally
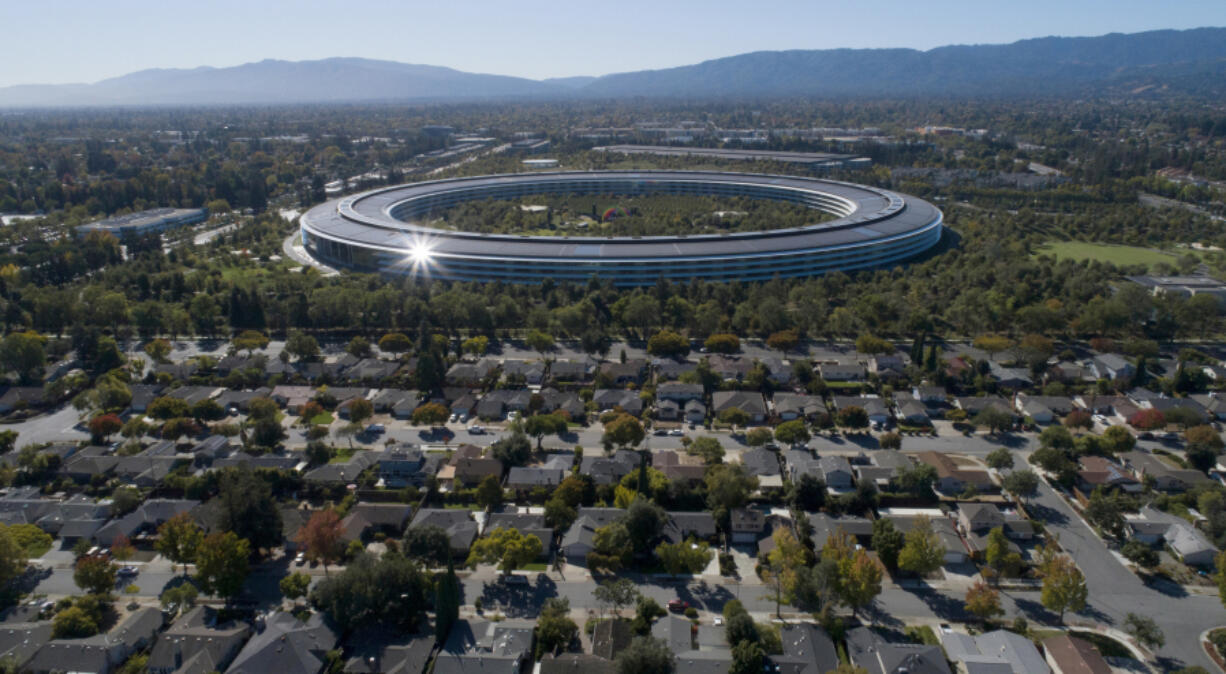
(322, 419)
(536, 566)
(1117, 255)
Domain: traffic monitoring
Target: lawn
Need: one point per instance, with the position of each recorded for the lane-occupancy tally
(1104, 252)
(535, 566)
(322, 419)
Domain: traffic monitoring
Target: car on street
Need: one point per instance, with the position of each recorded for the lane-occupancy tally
(300, 559)
(375, 429)
(677, 605)
(451, 419)
(676, 432)
(514, 580)
(476, 430)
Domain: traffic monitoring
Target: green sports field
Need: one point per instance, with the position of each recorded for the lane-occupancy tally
(1117, 255)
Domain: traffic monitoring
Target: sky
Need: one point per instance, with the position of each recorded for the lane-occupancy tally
(61, 41)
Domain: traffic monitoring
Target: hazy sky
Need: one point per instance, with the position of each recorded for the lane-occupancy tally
(56, 41)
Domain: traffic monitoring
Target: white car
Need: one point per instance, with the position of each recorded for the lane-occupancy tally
(451, 419)
(676, 432)
(475, 430)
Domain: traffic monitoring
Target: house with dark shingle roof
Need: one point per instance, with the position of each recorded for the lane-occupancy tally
(383, 651)
(459, 526)
(750, 402)
(868, 649)
(287, 644)
(196, 644)
(363, 519)
(347, 471)
(101, 653)
(807, 649)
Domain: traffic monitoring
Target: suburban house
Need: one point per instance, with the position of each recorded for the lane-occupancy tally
(955, 550)
(747, 525)
(874, 407)
(998, 650)
(529, 524)
(1099, 471)
(286, 644)
(1165, 476)
(1111, 366)
(196, 643)
(1152, 526)
(459, 526)
(952, 479)
(790, 406)
(1070, 655)
(870, 650)
(842, 373)
(577, 542)
(610, 398)
(836, 471)
(679, 392)
(750, 402)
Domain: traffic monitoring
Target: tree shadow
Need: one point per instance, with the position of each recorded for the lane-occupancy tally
(704, 595)
(1009, 440)
(1045, 513)
(518, 601)
(1165, 586)
(1033, 610)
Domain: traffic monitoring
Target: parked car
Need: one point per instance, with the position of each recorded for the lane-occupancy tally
(300, 559)
(676, 432)
(514, 580)
(476, 430)
(677, 605)
(375, 429)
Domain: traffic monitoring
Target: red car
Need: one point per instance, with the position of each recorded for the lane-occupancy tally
(677, 606)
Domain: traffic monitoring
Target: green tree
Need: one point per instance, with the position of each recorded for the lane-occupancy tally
(888, 541)
(429, 544)
(722, 343)
(249, 341)
(95, 575)
(446, 603)
(644, 522)
(646, 655)
(23, 353)
(728, 487)
(623, 431)
(792, 432)
(248, 509)
(387, 591)
(554, 628)
(611, 548)
(359, 347)
(477, 346)
(782, 565)
(540, 342)
(747, 658)
(922, 553)
(489, 492)
(1000, 459)
(734, 416)
(1145, 631)
(708, 448)
(873, 345)
(395, 342)
(1023, 484)
(157, 349)
(853, 416)
(221, 564)
(783, 341)
(996, 420)
(668, 343)
(758, 437)
(178, 539)
(1064, 586)
(506, 547)
(295, 585)
(430, 414)
(73, 623)
(616, 593)
(688, 556)
(301, 345)
(1140, 554)
(540, 425)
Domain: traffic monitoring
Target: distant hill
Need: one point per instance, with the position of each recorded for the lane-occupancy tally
(1152, 63)
(1191, 59)
(270, 81)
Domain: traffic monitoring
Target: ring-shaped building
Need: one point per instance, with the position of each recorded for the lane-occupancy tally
(380, 231)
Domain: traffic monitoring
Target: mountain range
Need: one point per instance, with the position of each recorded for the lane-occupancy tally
(1149, 63)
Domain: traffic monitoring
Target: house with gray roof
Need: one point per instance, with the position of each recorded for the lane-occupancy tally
(1111, 366)
(19, 641)
(287, 644)
(101, 653)
(807, 649)
(996, 651)
(382, 651)
(524, 479)
(459, 526)
(836, 472)
(196, 644)
(679, 392)
(347, 471)
(790, 406)
(750, 402)
(578, 540)
(529, 524)
(606, 470)
(868, 649)
(483, 647)
(610, 398)
(147, 518)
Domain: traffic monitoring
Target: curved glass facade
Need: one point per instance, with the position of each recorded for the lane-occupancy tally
(373, 232)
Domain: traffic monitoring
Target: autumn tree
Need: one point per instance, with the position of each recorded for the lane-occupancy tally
(321, 536)
(992, 344)
(623, 431)
(783, 341)
(431, 414)
(782, 565)
(983, 602)
(95, 575)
